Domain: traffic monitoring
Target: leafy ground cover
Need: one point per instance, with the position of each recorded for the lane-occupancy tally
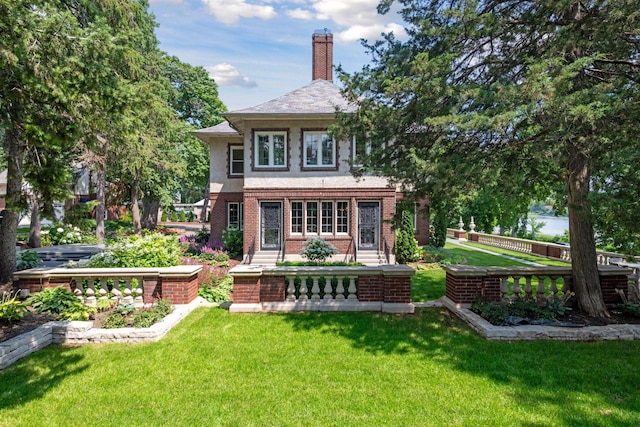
(325, 369)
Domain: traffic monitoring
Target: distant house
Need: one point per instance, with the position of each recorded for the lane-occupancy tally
(279, 176)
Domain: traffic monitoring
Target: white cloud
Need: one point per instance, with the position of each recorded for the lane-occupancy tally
(226, 75)
(171, 2)
(230, 11)
(358, 19)
(300, 14)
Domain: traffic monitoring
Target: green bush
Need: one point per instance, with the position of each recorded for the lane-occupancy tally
(218, 292)
(78, 311)
(497, 313)
(79, 215)
(11, 309)
(232, 241)
(163, 217)
(27, 259)
(52, 300)
(153, 250)
(174, 216)
(65, 234)
(406, 243)
(114, 320)
(190, 216)
(183, 217)
(127, 315)
(317, 250)
(431, 254)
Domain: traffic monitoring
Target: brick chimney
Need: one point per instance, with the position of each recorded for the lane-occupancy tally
(322, 65)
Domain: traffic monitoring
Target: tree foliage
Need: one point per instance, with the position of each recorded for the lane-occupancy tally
(525, 96)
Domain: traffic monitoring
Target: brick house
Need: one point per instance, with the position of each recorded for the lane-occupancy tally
(278, 175)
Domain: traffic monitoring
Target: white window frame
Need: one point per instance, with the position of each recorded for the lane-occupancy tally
(232, 149)
(330, 224)
(337, 215)
(271, 135)
(302, 218)
(240, 214)
(319, 138)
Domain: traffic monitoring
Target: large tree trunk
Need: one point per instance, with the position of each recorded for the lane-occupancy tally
(150, 213)
(135, 207)
(35, 226)
(101, 207)
(586, 281)
(14, 148)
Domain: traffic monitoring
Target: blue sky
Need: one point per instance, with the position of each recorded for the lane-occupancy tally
(257, 50)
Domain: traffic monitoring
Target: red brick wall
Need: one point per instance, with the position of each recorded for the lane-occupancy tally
(397, 289)
(219, 214)
(609, 284)
(179, 291)
(272, 288)
(246, 290)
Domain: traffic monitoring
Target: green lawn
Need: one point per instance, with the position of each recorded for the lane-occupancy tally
(428, 285)
(526, 257)
(325, 369)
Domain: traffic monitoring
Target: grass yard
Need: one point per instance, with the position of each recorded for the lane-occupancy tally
(428, 285)
(325, 369)
(526, 257)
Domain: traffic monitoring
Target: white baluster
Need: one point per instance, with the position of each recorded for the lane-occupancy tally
(90, 293)
(340, 289)
(352, 288)
(315, 289)
(303, 289)
(541, 288)
(516, 287)
(291, 289)
(504, 287)
(528, 290)
(327, 288)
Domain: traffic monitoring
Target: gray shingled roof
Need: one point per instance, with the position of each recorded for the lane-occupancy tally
(220, 129)
(318, 97)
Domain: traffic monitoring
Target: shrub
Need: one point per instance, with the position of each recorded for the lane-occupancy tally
(153, 250)
(318, 250)
(202, 235)
(498, 312)
(442, 256)
(52, 300)
(128, 315)
(64, 234)
(210, 254)
(406, 243)
(27, 259)
(79, 215)
(190, 216)
(78, 311)
(182, 217)
(11, 309)
(163, 217)
(217, 292)
(174, 216)
(232, 241)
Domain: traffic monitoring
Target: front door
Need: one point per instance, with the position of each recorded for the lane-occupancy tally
(368, 225)
(271, 225)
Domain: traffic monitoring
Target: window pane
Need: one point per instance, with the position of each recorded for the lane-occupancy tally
(327, 150)
(311, 149)
(312, 217)
(233, 215)
(237, 161)
(263, 150)
(296, 217)
(327, 217)
(278, 150)
(342, 219)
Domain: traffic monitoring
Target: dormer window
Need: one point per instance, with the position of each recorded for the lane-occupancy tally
(318, 149)
(270, 149)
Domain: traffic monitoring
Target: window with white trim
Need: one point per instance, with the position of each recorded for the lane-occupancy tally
(270, 149)
(327, 218)
(319, 150)
(296, 217)
(236, 160)
(319, 217)
(235, 215)
(312, 218)
(342, 217)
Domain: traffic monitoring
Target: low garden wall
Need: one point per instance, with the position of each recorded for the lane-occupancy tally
(140, 286)
(465, 284)
(384, 288)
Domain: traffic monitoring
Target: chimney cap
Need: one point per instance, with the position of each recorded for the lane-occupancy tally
(322, 32)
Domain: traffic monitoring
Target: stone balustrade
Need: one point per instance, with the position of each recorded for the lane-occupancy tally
(140, 286)
(381, 288)
(466, 284)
